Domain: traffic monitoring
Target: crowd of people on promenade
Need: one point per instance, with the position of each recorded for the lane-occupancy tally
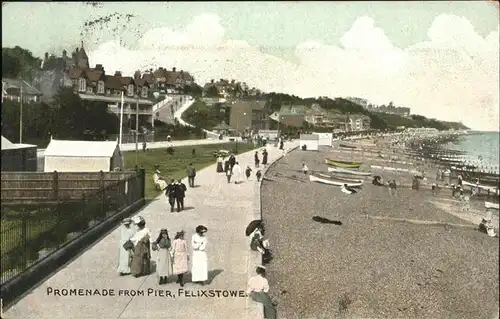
(172, 255)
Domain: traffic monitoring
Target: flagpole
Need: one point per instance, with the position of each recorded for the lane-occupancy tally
(121, 120)
(21, 117)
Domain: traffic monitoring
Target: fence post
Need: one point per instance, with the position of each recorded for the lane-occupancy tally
(142, 177)
(55, 185)
(24, 236)
(101, 187)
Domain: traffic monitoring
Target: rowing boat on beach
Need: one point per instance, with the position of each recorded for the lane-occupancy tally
(346, 145)
(331, 181)
(347, 171)
(395, 169)
(340, 178)
(491, 205)
(343, 163)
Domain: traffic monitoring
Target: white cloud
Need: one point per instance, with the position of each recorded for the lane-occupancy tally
(453, 75)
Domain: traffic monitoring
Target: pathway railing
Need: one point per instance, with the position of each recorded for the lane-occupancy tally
(31, 232)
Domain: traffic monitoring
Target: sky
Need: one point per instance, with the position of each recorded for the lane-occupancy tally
(439, 58)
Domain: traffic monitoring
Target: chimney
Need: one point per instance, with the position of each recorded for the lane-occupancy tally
(99, 67)
(64, 53)
(46, 55)
(76, 50)
(173, 69)
(160, 68)
(118, 73)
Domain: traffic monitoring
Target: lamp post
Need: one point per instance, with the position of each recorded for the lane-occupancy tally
(137, 131)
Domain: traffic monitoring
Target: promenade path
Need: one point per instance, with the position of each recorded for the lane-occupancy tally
(224, 208)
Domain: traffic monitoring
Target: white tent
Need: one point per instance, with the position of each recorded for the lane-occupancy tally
(325, 138)
(82, 156)
(311, 142)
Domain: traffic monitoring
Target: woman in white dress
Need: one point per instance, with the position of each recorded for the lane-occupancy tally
(199, 268)
(237, 173)
(126, 233)
(164, 260)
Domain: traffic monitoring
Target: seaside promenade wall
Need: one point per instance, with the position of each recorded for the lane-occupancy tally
(256, 310)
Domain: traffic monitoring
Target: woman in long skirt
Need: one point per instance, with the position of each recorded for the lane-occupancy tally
(264, 157)
(164, 260)
(199, 269)
(180, 254)
(220, 162)
(141, 256)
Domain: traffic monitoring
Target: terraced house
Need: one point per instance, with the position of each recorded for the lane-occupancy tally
(168, 82)
(291, 115)
(15, 90)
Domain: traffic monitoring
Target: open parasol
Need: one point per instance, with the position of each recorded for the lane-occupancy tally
(252, 226)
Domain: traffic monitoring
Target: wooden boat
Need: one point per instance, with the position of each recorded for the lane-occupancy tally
(491, 205)
(341, 178)
(347, 145)
(346, 171)
(343, 163)
(331, 181)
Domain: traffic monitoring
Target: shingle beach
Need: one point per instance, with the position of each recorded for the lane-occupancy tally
(370, 267)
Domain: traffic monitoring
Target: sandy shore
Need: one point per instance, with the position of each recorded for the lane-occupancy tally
(373, 266)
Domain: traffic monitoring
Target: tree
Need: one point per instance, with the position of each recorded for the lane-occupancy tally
(212, 91)
(193, 89)
(19, 63)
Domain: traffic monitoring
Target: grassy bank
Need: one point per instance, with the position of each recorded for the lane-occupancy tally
(174, 165)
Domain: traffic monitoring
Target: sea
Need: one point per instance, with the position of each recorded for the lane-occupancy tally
(482, 148)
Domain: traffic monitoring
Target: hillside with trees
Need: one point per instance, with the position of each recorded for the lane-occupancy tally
(68, 117)
(18, 63)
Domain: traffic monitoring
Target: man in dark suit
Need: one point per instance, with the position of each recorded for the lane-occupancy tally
(170, 193)
(180, 193)
(191, 174)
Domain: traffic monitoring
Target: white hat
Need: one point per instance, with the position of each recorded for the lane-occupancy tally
(260, 266)
(138, 219)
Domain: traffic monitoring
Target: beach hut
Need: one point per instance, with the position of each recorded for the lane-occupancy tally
(18, 157)
(325, 138)
(309, 142)
(82, 156)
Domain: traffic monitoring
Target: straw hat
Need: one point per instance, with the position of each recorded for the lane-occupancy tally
(127, 221)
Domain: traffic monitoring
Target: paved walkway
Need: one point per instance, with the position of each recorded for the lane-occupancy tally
(224, 208)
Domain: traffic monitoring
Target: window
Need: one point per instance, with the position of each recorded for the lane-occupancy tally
(144, 91)
(130, 90)
(100, 87)
(108, 91)
(82, 85)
